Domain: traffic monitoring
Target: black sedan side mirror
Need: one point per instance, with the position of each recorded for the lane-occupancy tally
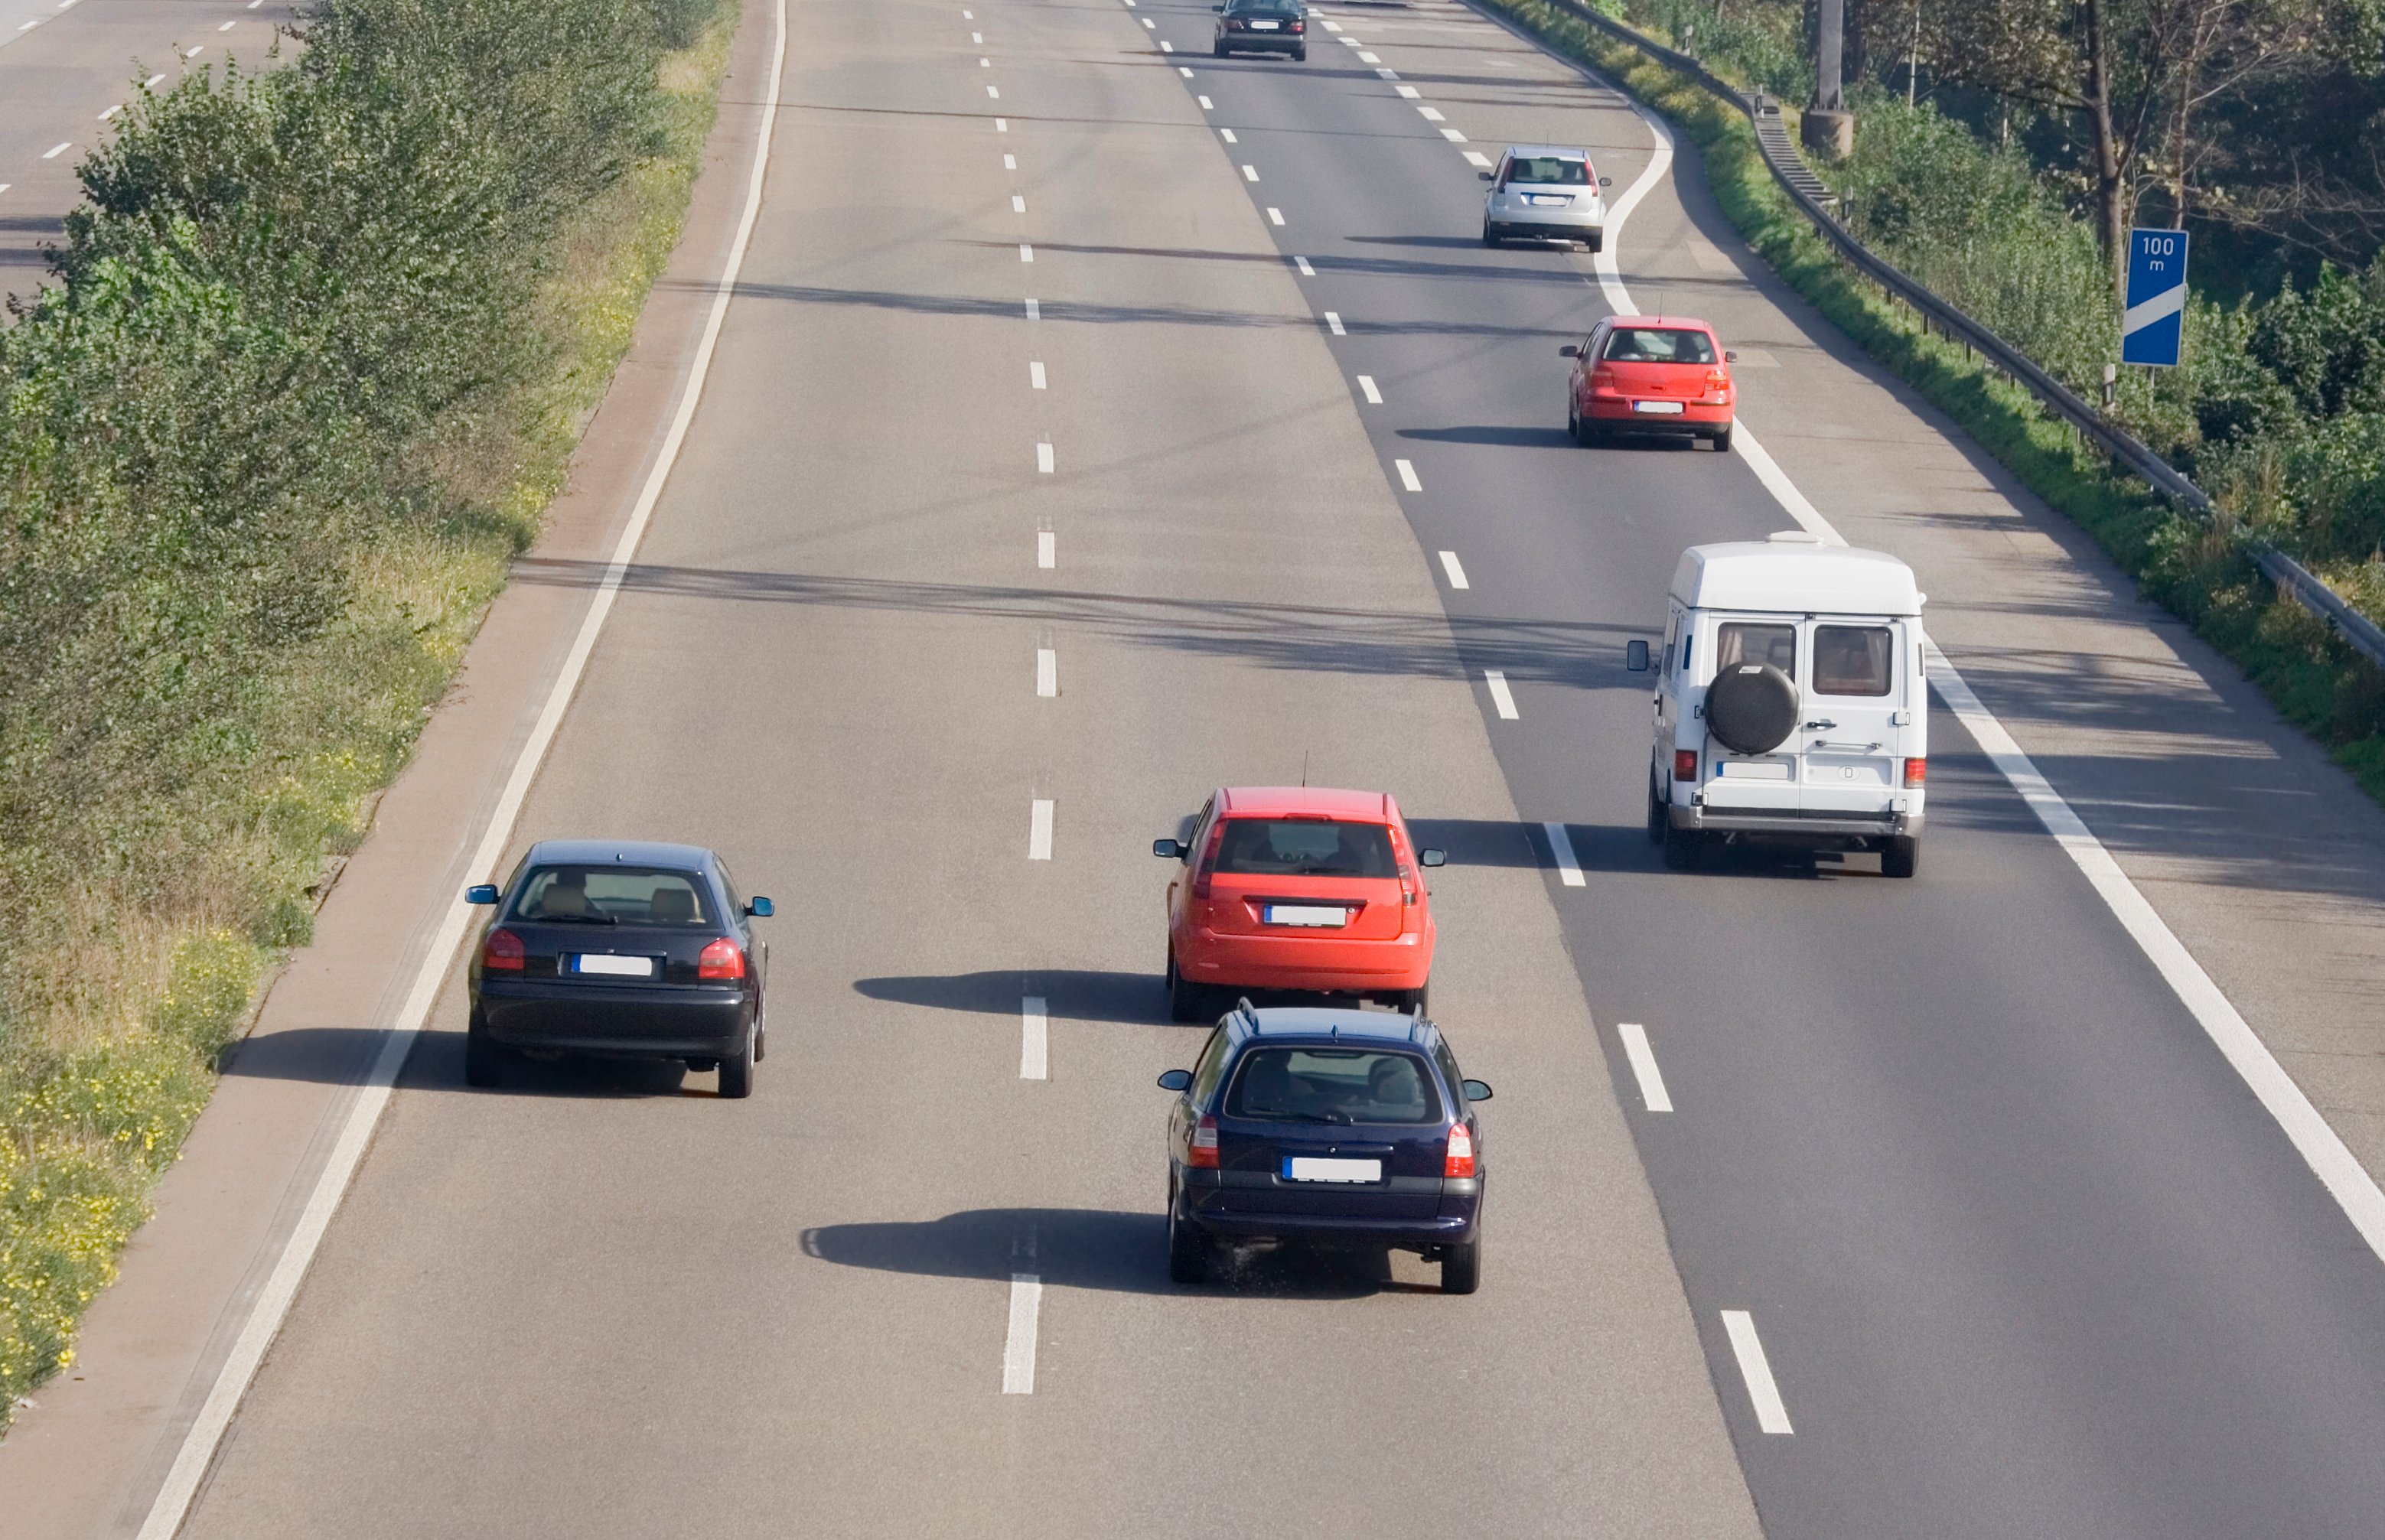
(1569, 351)
(1168, 850)
(1476, 1091)
(1176, 1080)
(1483, 175)
(484, 892)
(1635, 655)
(761, 909)
(1432, 858)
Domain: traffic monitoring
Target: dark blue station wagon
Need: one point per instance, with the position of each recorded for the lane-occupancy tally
(1331, 1126)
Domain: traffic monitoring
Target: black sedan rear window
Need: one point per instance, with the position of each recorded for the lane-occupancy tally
(1333, 1084)
(1306, 848)
(615, 894)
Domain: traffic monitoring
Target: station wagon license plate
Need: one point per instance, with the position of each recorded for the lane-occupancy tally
(1317, 1168)
(1659, 408)
(613, 967)
(1330, 916)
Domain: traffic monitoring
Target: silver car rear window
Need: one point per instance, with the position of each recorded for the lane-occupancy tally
(1548, 170)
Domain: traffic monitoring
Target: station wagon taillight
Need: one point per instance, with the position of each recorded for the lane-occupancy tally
(1915, 770)
(1201, 1153)
(502, 951)
(723, 959)
(1685, 764)
(1460, 1160)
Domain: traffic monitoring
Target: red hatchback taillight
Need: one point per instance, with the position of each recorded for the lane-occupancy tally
(723, 959)
(1460, 1160)
(1201, 1153)
(1915, 770)
(1203, 869)
(503, 950)
(1685, 764)
(1601, 380)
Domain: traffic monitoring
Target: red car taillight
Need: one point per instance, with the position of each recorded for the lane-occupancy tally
(1685, 764)
(1460, 1160)
(1300, 26)
(1914, 770)
(1602, 381)
(1233, 26)
(503, 950)
(723, 959)
(1201, 1153)
(1202, 868)
(1718, 379)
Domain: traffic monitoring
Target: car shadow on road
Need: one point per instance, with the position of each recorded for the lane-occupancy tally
(1092, 1248)
(344, 1056)
(1069, 994)
(1503, 438)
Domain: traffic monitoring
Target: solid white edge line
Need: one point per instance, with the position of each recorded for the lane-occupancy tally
(1367, 384)
(1610, 277)
(1643, 1065)
(1561, 847)
(1034, 1059)
(1038, 829)
(272, 1306)
(1450, 564)
(1499, 694)
(1408, 476)
(1018, 1343)
(1048, 672)
(1770, 1415)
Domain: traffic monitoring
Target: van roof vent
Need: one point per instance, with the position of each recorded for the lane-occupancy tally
(1794, 537)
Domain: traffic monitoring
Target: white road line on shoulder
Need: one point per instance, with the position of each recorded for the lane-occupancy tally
(1250, 173)
(1305, 270)
(272, 1304)
(1043, 459)
(1643, 1066)
(1455, 569)
(1002, 125)
(1476, 157)
(1038, 829)
(1228, 135)
(1409, 92)
(57, 149)
(1018, 204)
(1019, 1347)
(1206, 105)
(1026, 252)
(1770, 1415)
(1047, 549)
(1275, 217)
(1500, 695)
(1035, 1062)
(1453, 136)
(1047, 672)
(1035, 372)
(1408, 476)
(1561, 849)
(1333, 320)
(1367, 384)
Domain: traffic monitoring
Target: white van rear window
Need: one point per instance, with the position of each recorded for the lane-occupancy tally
(1739, 643)
(1852, 660)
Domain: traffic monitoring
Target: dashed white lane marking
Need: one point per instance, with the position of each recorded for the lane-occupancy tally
(1500, 696)
(1770, 1415)
(1035, 372)
(1034, 311)
(227, 26)
(1186, 73)
(1352, 43)
(992, 94)
(977, 37)
(1018, 204)
(1476, 157)
(57, 149)
(195, 53)
(1366, 58)
(1206, 105)
(1018, 1349)
(4, 186)
(1047, 549)
(1043, 458)
(1010, 163)
(1432, 115)
(985, 64)
(1047, 672)
(1034, 1060)
(1228, 135)
(1408, 476)
(1166, 47)
(1026, 252)
(1366, 383)
(1561, 847)
(1453, 136)
(1150, 23)
(1643, 1066)
(1333, 320)
(1250, 173)
(1387, 74)
(969, 16)
(111, 112)
(1409, 92)
(1455, 568)
(151, 83)
(1305, 270)
(1038, 829)
(1002, 125)
(1275, 215)
(29, 26)
(1334, 26)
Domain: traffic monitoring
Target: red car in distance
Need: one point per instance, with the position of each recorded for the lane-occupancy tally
(1650, 374)
(1299, 888)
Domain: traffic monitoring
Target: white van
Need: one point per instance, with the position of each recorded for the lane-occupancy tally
(1792, 704)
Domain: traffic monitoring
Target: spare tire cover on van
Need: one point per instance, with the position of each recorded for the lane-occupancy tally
(1751, 707)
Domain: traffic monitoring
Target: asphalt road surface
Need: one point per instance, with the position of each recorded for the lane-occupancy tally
(1193, 373)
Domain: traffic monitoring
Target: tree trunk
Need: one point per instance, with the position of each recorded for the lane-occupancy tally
(2111, 185)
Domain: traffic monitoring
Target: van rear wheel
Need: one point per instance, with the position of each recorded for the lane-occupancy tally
(1657, 820)
(1684, 849)
(1901, 857)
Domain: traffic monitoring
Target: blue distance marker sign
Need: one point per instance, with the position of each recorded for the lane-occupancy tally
(2150, 331)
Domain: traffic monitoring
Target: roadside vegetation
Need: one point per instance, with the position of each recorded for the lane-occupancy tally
(316, 348)
(2279, 411)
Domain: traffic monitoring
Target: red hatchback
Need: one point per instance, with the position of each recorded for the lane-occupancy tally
(1650, 374)
(1297, 888)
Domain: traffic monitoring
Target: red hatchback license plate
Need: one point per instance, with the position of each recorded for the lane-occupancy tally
(1317, 916)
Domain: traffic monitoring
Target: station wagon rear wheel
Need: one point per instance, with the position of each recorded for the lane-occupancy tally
(1461, 1267)
(1684, 849)
(1187, 1249)
(1657, 820)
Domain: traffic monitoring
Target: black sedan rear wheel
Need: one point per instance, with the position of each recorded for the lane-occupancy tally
(484, 1062)
(737, 1072)
(1461, 1267)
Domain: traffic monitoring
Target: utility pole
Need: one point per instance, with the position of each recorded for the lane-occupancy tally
(1829, 129)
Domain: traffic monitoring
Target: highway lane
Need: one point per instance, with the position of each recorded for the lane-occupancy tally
(2026, 1257)
(593, 1305)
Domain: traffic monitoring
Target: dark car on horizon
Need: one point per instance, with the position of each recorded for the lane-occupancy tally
(1262, 26)
(1338, 1128)
(619, 948)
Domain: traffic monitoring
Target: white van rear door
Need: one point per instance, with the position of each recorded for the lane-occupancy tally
(1854, 686)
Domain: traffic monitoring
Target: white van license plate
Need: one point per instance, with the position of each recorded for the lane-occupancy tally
(614, 967)
(1330, 916)
(1315, 1168)
(1659, 408)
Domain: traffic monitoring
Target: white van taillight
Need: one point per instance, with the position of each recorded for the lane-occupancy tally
(1915, 770)
(1460, 1160)
(1201, 1153)
(1685, 764)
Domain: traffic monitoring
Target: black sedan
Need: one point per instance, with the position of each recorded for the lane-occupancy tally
(1262, 26)
(641, 950)
(1333, 1127)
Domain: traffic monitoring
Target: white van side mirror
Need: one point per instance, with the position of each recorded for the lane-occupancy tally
(1635, 655)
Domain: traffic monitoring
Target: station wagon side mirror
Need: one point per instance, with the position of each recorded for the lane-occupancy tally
(1432, 858)
(1569, 351)
(1476, 1091)
(1483, 175)
(1170, 849)
(481, 892)
(1729, 357)
(1635, 655)
(1176, 1080)
(761, 909)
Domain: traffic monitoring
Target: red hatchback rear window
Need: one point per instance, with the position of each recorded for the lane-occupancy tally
(1306, 848)
(1651, 344)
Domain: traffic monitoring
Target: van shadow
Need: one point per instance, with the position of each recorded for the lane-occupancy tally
(1092, 1249)
(1069, 994)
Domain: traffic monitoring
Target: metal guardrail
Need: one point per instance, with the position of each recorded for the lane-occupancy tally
(1813, 198)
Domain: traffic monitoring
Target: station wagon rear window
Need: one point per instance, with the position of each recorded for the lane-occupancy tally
(1548, 171)
(1306, 848)
(1333, 1084)
(1739, 642)
(615, 894)
(1652, 344)
(1852, 660)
